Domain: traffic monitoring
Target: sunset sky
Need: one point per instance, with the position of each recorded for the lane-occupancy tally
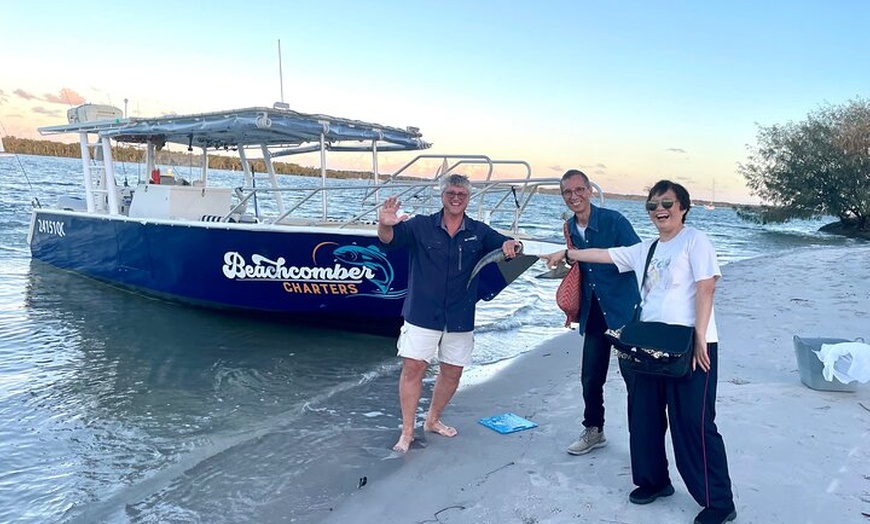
(628, 91)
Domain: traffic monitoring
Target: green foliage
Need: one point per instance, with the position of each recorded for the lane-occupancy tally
(820, 166)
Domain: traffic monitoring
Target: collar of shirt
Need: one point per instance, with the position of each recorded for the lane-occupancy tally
(592, 224)
(440, 220)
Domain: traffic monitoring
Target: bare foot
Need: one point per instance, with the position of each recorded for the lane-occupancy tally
(440, 428)
(403, 444)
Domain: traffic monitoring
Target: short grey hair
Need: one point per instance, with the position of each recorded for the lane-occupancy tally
(455, 180)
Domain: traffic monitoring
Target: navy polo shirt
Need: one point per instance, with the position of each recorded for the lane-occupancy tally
(616, 292)
(439, 268)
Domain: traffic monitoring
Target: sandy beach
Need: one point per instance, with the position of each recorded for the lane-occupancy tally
(796, 455)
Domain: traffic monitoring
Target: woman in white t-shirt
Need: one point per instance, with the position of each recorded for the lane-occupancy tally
(679, 288)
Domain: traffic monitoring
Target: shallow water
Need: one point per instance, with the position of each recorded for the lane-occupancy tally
(119, 408)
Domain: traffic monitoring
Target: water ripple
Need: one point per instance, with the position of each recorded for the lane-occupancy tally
(184, 415)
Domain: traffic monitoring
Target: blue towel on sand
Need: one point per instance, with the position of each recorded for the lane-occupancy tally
(507, 423)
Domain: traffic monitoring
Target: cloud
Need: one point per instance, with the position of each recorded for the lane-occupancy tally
(597, 169)
(678, 150)
(66, 96)
(49, 112)
(24, 94)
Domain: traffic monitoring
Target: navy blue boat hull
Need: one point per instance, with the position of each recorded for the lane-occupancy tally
(322, 278)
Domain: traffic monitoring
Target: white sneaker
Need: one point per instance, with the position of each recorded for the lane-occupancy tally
(590, 439)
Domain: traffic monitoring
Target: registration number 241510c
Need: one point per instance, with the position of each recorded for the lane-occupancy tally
(51, 227)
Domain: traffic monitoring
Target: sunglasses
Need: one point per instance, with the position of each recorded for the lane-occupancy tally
(652, 205)
(455, 194)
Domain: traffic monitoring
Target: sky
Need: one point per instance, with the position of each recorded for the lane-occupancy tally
(628, 91)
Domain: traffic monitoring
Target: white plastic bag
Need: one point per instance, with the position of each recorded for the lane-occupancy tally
(845, 361)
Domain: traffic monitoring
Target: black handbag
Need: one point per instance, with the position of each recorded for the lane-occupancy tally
(654, 348)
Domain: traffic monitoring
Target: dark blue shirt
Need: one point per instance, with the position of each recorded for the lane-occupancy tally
(616, 292)
(439, 268)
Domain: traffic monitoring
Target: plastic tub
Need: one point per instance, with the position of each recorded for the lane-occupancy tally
(810, 367)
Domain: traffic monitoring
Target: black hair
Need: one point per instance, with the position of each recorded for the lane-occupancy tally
(572, 173)
(661, 187)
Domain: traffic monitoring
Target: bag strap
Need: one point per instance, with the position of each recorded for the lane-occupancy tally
(567, 235)
(649, 255)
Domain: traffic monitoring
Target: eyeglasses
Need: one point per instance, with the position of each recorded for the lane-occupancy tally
(652, 205)
(455, 194)
(575, 192)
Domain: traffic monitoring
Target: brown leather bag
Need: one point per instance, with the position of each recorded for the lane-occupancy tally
(568, 292)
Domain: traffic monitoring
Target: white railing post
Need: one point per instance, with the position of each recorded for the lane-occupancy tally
(109, 171)
(375, 171)
(267, 158)
(246, 167)
(150, 158)
(86, 171)
(203, 176)
(323, 195)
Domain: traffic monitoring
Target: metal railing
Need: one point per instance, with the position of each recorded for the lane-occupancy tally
(491, 197)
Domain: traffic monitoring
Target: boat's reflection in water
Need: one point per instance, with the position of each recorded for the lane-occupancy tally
(170, 413)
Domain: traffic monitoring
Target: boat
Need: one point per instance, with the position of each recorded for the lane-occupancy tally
(710, 206)
(245, 242)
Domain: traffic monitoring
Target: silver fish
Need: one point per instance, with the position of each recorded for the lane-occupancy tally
(496, 255)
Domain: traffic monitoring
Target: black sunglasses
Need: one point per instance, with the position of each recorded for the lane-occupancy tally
(652, 205)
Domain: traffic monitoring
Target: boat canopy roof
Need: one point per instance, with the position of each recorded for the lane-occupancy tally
(253, 126)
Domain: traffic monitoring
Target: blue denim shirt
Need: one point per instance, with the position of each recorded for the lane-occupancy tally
(616, 292)
(439, 268)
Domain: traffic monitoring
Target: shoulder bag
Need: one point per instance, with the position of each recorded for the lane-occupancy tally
(654, 348)
(568, 292)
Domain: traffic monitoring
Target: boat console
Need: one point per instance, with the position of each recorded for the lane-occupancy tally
(165, 201)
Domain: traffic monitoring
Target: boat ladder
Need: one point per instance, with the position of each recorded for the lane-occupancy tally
(101, 193)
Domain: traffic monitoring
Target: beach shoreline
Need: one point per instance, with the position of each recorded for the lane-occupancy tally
(795, 454)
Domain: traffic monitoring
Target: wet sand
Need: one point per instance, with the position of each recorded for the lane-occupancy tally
(796, 455)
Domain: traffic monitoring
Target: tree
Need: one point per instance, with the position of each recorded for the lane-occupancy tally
(817, 167)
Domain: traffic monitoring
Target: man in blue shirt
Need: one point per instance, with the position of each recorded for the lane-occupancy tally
(439, 309)
(608, 299)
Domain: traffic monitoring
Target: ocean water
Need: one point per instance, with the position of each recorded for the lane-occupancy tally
(119, 408)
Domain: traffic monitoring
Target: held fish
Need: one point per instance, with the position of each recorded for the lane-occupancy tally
(496, 255)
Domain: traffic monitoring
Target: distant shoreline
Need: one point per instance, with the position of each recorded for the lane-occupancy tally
(641, 198)
(26, 146)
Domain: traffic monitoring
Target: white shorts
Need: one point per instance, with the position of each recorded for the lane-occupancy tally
(429, 345)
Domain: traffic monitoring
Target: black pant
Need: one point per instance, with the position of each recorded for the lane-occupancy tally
(699, 451)
(593, 370)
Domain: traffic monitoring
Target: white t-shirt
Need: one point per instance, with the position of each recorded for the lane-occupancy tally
(669, 292)
(581, 230)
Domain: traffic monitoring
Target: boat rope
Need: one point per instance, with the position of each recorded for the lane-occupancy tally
(34, 200)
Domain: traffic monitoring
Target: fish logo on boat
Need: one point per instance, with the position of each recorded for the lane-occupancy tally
(373, 259)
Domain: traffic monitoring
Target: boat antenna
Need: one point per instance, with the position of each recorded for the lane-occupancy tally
(280, 71)
(35, 200)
